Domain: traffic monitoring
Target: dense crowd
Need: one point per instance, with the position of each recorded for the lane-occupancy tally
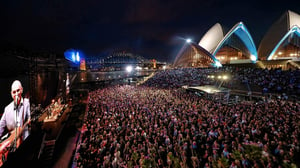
(142, 126)
(252, 79)
(272, 80)
(174, 78)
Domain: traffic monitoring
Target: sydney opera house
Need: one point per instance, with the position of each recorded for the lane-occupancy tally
(279, 48)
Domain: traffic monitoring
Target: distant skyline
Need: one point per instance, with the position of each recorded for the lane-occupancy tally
(153, 29)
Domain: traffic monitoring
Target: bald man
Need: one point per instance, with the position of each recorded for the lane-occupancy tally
(16, 113)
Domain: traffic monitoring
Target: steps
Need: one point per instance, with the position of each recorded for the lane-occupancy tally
(46, 153)
(260, 65)
(292, 63)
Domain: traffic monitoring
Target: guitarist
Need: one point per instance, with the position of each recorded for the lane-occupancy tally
(15, 115)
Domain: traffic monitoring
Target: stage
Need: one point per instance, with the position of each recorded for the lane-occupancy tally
(210, 92)
(208, 89)
(53, 120)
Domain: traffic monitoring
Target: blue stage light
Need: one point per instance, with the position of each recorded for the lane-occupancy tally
(73, 55)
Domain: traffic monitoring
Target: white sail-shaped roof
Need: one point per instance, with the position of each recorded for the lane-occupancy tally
(287, 24)
(242, 32)
(191, 54)
(212, 38)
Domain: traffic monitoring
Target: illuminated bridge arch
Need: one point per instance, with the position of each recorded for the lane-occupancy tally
(242, 32)
(118, 60)
(123, 58)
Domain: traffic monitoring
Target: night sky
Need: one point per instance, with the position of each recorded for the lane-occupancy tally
(151, 28)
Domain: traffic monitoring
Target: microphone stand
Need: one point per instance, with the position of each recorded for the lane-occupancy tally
(16, 129)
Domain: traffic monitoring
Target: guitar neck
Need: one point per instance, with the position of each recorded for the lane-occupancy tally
(26, 123)
(20, 129)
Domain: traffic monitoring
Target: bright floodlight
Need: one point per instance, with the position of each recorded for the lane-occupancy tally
(188, 40)
(218, 64)
(129, 68)
(225, 77)
(253, 58)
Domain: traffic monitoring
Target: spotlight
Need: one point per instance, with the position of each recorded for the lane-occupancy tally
(129, 68)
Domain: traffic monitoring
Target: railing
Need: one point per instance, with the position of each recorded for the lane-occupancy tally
(42, 146)
(83, 129)
(294, 64)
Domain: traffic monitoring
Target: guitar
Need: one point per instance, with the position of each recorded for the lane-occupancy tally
(9, 142)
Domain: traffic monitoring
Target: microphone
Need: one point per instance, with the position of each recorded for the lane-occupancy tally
(16, 100)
